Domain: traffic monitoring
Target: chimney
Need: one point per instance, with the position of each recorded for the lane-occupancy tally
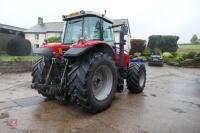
(40, 20)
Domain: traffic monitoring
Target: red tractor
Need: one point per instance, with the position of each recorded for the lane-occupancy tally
(88, 67)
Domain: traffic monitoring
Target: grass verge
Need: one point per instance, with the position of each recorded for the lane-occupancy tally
(186, 48)
(18, 58)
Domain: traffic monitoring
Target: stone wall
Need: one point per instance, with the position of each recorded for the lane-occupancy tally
(15, 67)
(192, 63)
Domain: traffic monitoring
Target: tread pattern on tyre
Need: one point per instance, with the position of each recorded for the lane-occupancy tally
(37, 75)
(133, 77)
(78, 79)
(37, 71)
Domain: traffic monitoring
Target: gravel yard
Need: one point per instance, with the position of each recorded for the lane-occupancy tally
(170, 103)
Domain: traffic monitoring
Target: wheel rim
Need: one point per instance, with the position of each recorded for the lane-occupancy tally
(102, 82)
(142, 79)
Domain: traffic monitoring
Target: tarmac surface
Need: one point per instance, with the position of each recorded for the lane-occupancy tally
(170, 103)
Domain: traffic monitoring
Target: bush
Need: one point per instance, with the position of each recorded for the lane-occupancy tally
(53, 39)
(165, 43)
(167, 55)
(132, 56)
(147, 52)
(137, 54)
(175, 54)
(192, 54)
(189, 55)
(172, 61)
(179, 59)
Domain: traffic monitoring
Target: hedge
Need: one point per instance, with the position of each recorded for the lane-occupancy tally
(138, 45)
(164, 43)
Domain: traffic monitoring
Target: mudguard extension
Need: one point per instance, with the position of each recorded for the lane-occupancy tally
(47, 52)
(73, 52)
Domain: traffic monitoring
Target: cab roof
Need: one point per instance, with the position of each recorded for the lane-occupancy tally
(85, 13)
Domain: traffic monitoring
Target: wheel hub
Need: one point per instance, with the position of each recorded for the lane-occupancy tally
(98, 80)
(102, 82)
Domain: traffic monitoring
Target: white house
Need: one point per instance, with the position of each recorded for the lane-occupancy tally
(117, 32)
(41, 31)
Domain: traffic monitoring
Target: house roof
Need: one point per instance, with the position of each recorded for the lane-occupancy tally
(119, 21)
(9, 27)
(46, 27)
(58, 26)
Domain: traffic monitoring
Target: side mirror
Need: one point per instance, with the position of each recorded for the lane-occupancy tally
(125, 30)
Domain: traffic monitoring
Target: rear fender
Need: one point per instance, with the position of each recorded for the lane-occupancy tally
(78, 51)
(74, 52)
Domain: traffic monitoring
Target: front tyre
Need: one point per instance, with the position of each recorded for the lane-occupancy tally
(95, 82)
(39, 72)
(136, 78)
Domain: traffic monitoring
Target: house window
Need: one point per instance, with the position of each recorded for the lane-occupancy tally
(36, 45)
(36, 36)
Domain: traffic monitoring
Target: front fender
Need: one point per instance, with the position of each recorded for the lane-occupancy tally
(46, 52)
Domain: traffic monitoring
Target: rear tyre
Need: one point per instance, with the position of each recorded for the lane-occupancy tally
(94, 82)
(39, 72)
(136, 78)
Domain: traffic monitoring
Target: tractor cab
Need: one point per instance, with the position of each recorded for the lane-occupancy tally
(87, 25)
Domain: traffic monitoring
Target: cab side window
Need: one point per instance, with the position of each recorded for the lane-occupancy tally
(108, 35)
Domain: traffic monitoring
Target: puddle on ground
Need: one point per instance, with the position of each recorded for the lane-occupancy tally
(29, 101)
(177, 110)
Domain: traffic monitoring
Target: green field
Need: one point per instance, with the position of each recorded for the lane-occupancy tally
(188, 48)
(18, 58)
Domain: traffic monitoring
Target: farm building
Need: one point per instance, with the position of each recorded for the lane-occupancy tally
(7, 33)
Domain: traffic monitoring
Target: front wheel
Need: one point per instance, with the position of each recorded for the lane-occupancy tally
(95, 82)
(136, 78)
(39, 72)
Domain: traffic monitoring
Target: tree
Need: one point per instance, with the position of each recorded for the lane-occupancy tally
(194, 39)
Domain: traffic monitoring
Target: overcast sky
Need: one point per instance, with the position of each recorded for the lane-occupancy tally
(146, 17)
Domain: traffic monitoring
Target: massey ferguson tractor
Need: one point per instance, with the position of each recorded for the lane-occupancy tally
(88, 67)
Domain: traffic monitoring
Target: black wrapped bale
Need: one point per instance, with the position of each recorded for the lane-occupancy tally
(19, 46)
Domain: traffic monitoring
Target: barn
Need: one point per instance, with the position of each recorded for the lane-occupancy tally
(7, 33)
